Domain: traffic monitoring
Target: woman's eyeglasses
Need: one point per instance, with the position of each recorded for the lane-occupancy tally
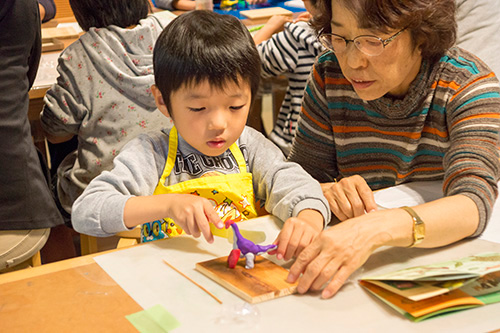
(369, 45)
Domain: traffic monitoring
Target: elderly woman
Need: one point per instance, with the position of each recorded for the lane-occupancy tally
(390, 102)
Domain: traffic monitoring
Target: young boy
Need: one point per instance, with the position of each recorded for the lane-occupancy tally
(207, 72)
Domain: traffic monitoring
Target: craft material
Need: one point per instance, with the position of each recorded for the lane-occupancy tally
(256, 28)
(187, 277)
(265, 281)
(265, 12)
(248, 249)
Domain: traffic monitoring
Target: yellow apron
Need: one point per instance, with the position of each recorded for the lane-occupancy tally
(231, 195)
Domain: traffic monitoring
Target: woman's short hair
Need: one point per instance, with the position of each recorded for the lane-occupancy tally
(103, 13)
(203, 45)
(431, 23)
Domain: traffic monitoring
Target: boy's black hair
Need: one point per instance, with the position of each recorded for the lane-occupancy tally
(203, 45)
(102, 13)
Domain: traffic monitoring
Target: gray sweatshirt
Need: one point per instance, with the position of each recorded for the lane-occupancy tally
(284, 186)
(103, 95)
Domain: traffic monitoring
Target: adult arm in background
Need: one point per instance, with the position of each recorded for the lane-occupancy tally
(471, 191)
(47, 10)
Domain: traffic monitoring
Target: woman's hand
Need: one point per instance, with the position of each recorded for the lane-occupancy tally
(297, 233)
(337, 252)
(350, 197)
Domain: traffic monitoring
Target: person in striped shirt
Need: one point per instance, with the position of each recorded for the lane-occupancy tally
(290, 52)
(392, 101)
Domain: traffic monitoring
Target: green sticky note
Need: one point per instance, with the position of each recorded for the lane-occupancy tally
(153, 320)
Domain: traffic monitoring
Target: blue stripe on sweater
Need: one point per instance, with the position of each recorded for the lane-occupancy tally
(479, 97)
(403, 157)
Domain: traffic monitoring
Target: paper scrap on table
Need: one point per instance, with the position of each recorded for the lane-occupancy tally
(154, 319)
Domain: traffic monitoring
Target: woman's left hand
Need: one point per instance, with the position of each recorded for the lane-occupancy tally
(350, 197)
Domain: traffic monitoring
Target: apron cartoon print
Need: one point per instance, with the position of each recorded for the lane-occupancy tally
(231, 195)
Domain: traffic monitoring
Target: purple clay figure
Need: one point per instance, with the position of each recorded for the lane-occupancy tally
(248, 248)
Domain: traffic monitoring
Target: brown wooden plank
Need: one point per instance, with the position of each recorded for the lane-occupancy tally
(61, 33)
(78, 299)
(263, 282)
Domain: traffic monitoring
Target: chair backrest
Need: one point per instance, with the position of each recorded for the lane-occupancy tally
(63, 9)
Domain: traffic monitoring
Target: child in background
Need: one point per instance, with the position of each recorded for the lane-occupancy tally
(207, 72)
(103, 92)
(175, 4)
(289, 52)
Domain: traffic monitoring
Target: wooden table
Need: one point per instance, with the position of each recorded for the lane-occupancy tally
(72, 295)
(78, 295)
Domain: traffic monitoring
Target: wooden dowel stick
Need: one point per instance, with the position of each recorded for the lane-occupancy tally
(187, 277)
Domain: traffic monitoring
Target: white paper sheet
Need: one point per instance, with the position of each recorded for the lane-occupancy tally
(141, 272)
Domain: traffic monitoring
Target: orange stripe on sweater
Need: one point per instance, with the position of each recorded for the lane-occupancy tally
(351, 129)
(435, 131)
(484, 115)
(323, 126)
(491, 74)
(318, 79)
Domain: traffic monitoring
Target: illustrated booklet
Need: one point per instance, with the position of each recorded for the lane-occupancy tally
(423, 292)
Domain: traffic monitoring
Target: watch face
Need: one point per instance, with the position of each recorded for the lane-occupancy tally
(419, 233)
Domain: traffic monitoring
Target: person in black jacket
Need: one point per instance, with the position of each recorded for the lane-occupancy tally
(27, 208)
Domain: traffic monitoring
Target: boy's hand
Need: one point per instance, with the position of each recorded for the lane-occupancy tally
(193, 214)
(297, 233)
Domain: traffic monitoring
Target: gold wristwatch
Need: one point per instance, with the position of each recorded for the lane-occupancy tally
(418, 226)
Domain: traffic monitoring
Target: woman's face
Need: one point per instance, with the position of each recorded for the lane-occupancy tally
(372, 77)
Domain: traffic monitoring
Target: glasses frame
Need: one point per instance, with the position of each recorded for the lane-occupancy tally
(384, 42)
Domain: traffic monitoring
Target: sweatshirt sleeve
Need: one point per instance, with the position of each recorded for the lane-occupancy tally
(279, 54)
(284, 186)
(472, 166)
(164, 4)
(50, 9)
(99, 210)
(65, 107)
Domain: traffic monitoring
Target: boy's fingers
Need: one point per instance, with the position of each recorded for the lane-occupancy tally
(212, 216)
(204, 227)
(193, 226)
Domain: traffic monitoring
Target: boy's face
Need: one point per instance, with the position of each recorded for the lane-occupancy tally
(209, 119)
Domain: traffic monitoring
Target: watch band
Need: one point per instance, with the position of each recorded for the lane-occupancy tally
(418, 226)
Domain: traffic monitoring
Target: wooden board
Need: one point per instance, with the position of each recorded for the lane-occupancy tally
(263, 282)
(52, 44)
(265, 12)
(61, 33)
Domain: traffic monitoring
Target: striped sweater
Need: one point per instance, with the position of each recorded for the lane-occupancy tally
(446, 127)
(290, 52)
